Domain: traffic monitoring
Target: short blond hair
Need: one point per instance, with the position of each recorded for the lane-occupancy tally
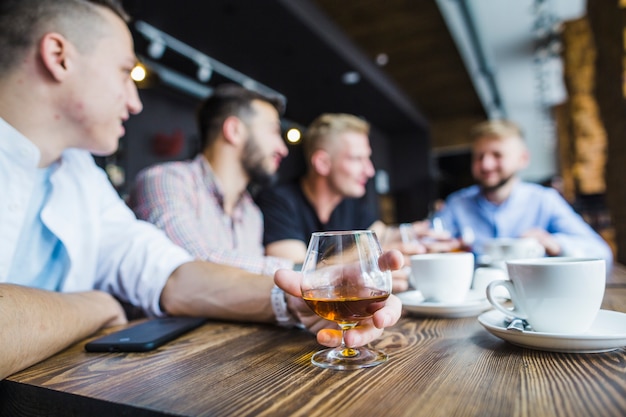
(324, 130)
(495, 128)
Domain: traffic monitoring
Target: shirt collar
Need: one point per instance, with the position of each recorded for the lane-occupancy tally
(488, 205)
(18, 146)
(208, 177)
(214, 188)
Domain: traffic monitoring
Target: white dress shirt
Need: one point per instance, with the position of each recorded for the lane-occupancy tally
(109, 249)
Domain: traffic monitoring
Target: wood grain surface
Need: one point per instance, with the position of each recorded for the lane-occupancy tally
(437, 367)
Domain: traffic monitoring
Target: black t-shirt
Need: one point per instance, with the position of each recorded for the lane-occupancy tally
(288, 214)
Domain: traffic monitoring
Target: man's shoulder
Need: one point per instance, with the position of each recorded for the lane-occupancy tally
(547, 197)
(538, 190)
(351, 204)
(281, 199)
(78, 160)
(464, 193)
(284, 190)
(170, 168)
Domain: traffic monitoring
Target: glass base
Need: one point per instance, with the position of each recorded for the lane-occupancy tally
(343, 359)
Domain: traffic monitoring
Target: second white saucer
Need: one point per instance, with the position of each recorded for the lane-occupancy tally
(474, 304)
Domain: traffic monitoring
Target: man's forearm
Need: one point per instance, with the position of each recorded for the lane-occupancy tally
(219, 292)
(36, 324)
(292, 249)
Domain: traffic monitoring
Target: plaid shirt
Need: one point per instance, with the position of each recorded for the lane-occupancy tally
(184, 199)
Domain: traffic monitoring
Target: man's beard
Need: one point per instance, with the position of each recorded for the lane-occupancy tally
(491, 188)
(252, 161)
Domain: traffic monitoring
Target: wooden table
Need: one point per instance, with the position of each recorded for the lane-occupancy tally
(617, 277)
(438, 367)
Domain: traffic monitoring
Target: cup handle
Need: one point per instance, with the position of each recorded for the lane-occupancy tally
(515, 312)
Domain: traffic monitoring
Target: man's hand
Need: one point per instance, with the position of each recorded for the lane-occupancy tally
(328, 333)
(549, 243)
(117, 314)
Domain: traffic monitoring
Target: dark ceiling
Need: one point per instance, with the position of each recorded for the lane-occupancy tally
(423, 59)
(302, 48)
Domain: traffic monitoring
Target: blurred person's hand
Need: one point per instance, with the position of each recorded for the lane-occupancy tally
(406, 239)
(546, 240)
(401, 279)
(439, 240)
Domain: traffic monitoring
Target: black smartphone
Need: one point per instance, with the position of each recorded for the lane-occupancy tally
(145, 336)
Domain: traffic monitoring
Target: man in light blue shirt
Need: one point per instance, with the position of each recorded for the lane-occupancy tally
(502, 205)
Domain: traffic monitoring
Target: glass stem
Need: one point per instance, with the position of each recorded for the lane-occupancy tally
(346, 352)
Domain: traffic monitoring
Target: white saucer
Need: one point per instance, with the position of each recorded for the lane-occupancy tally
(608, 332)
(474, 304)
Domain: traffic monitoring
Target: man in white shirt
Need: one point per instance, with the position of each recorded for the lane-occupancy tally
(65, 91)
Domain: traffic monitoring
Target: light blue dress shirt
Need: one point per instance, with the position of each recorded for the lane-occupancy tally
(40, 259)
(529, 206)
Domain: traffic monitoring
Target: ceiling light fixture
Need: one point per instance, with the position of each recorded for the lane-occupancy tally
(138, 73)
(205, 71)
(294, 135)
(382, 59)
(351, 78)
(156, 49)
(160, 41)
(177, 80)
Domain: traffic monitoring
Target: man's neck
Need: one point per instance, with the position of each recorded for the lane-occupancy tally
(35, 123)
(320, 196)
(231, 177)
(499, 194)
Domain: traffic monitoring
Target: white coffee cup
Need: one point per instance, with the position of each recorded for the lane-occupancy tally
(485, 275)
(555, 295)
(504, 248)
(443, 277)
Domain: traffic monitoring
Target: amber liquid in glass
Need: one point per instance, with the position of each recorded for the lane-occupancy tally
(332, 303)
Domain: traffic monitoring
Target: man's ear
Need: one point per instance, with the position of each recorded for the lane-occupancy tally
(524, 158)
(321, 162)
(233, 130)
(56, 55)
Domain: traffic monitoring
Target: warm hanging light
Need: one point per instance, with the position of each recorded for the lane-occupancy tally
(294, 135)
(138, 73)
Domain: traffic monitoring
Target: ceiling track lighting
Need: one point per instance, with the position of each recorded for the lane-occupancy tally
(205, 70)
(156, 48)
(160, 41)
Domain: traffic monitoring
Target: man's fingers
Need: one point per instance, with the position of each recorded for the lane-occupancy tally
(391, 260)
(360, 336)
(389, 314)
(329, 337)
(289, 281)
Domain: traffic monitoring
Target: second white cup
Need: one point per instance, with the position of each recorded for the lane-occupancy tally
(443, 277)
(555, 295)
